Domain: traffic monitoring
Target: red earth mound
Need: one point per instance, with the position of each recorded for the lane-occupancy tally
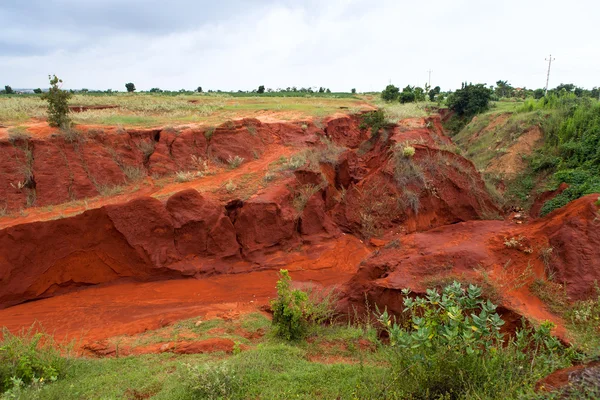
(502, 257)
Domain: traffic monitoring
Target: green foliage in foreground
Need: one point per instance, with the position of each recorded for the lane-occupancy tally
(31, 357)
(446, 345)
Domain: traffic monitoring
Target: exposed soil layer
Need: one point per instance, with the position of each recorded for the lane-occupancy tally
(124, 264)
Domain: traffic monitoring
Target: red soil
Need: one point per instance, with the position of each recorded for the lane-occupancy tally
(118, 268)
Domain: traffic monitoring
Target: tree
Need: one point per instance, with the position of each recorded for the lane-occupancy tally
(58, 104)
(155, 90)
(353, 91)
(470, 99)
(261, 89)
(434, 92)
(328, 90)
(37, 91)
(390, 93)
(408, 95)
(419, 94)
(199, 90)
(504, 89)
(8, 90)
(538, 93)
(130, 87)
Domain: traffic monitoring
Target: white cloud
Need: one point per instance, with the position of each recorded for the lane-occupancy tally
(339, 44)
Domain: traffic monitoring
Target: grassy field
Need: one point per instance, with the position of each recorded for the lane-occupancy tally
(145, 109)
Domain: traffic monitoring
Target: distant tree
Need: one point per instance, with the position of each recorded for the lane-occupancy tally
(8, 90)
(390, 93)
(595, 92)
(261, 89)
(353, 91)
(419, 94)
(579, 92)
(538, 93)
(470, 99)
(321, 90)
(37, 91)
(504, 89)
(58, 107)
(155, 90)
(568, 87)
(328, 90)
(130, 87)
(407, 95)
(434, 92)
(199, 90)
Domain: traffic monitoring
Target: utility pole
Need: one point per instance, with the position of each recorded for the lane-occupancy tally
(549, 59)
(430, 71)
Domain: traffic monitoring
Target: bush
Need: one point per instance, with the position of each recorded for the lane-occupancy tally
(449, 346)
(470, 100)
(58, 104)
(130, 87)
(294, 310)
(390, 93)
(29, 357)
(408, 95)
(8, 90)
(375, 120)
(261, 89)
(408, 151)
(37, 91)
(210, 381)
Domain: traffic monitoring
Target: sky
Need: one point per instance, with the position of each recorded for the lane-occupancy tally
(339, 44)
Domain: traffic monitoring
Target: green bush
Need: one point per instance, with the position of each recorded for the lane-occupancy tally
(449, 346)
(130, 87)
(30, 357)
(58, 104)
(294, 310)
(375, 120)
(390, 93)
(408, 95)
(470, 100)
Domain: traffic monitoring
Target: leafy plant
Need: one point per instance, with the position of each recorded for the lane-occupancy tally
(470, 100)
(28, 357)
(390, 93)
(448, 345)
(58, 104)
(294, 310)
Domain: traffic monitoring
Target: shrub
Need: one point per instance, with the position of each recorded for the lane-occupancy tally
(294, 310)
(210, 381)
(130, 87)
(470, 100)
(8, 90)
(261, 89)
(390, 93)
(375, 120)
(29, 357)
(408, 151)
(449, 345)
(234, 162)
(58, 104)
(37, 91)
(353, 91)
(408, 95)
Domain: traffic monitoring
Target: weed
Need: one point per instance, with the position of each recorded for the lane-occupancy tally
(134, 173)
(185, 176)
(230, 186)
(18, 134)
(408, 151)
(146, 147)
(209, 381)
(304, 127)
(251, 129)
(302, 195)
(547, 256)
(269, 176)
(234, 162)
(110, 190)
(208, 133)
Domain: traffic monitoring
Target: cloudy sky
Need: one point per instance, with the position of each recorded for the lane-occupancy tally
(340, 44)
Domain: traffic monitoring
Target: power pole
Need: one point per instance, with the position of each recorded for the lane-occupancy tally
(430, 71)
(549, 59)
